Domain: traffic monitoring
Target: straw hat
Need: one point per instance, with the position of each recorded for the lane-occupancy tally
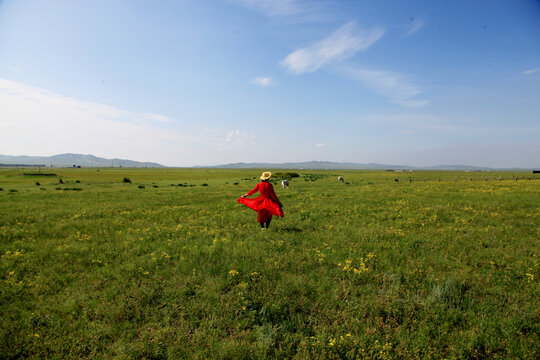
(266, 175)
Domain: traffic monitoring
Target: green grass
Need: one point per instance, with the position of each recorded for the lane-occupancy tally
(171, 266)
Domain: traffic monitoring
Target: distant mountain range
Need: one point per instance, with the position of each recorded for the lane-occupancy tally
(70, 160)
(328, 165)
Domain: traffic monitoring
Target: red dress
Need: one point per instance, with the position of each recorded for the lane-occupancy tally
(265, 205)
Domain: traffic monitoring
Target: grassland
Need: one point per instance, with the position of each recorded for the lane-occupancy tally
(170, 266)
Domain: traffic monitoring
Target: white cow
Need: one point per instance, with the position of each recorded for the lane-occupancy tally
(285, 184)
(340, 179)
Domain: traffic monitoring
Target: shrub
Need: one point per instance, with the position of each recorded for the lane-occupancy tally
(127, 180)
(141, 187)
(13, 190)
(78, 181)
(37, 183)
(205, 184)
(286, 175)
(155, 186)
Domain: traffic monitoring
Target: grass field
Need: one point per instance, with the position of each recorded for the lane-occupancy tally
(170, 266)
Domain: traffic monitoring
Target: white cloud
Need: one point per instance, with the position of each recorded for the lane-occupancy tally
(343, 43)
(415, 25)
(531, 71)
(292, 11)
(272, 7)
(157, 117)
(263, 81)
(236, 139)
(64, 104)
(396, 88)
(36, 121)
(320, 145)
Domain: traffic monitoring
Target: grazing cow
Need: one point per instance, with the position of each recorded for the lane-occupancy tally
(340, 179)
(285, 184)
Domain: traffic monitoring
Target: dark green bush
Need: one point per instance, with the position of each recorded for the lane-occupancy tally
(287, 175)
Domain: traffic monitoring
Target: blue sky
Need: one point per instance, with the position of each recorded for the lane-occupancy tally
(209, 82)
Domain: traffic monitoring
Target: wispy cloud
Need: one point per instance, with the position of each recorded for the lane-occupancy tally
(39, 121)
(272, 7)
(531, 71)
(295, 11)
(396, 88)
(50, 100)
(319, 145)
(343, 43)
(415, 25)
(235, 139)
(263, 81)
(157, 117)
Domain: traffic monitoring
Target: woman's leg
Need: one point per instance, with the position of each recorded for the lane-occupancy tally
(268, 222)
(264, 217)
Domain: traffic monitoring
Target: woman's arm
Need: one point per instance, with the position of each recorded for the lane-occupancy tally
(255, 189)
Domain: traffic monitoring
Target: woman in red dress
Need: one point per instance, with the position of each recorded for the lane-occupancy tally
(265, 205)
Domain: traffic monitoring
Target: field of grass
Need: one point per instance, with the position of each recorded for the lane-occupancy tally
(164, 263)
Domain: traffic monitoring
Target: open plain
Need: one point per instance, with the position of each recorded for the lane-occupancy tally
(164, 263)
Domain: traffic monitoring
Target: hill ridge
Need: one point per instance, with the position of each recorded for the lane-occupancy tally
(333, 165)
(71, 159)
